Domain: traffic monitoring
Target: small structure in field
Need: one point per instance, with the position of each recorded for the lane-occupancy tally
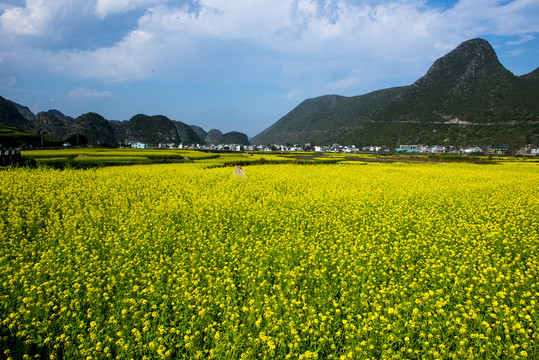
(239, 172)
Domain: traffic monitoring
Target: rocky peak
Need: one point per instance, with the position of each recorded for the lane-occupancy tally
(10, 116)
(24, 111)
(66, 119)
(213, 136)
(475, 49)
(94, 126)
(50, 124)
(152, 129)
(473, 59)
(201, 133)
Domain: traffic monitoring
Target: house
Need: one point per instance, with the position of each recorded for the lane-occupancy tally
(408, 148)
(437, 149)
(470, 150)
(499, 150)
(371, 148)
(318, 148)
(138, 145)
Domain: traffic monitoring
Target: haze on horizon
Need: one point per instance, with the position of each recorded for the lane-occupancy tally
(238, 65)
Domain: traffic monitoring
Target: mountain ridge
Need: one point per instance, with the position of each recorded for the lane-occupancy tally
(97, 130)
(466, 97)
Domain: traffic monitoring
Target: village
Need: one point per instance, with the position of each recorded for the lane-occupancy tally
(352, 149)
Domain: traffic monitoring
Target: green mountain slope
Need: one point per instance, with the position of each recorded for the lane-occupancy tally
(468, 84)
(96, 128)
(10, 116)
(24, 111)
(201, 133)
(151, 130)
(50, 124)
(326, 119)
(466, 98)
(234, 137)
(213, 136)
(187, 134)
(13, 137)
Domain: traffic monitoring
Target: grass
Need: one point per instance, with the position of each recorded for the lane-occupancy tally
(13, 137)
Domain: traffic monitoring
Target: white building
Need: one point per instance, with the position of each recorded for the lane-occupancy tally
(138, 145)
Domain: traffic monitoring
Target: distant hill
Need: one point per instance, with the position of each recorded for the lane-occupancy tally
(118, 129)
(201, 133)
(466, 98)
(151, 130)
(234, 137)
(24, 111)
(187, 134)
(66, 119)
(10, 116)
(50, 124)
(325, 120)
(95, 127)
(213, 136)
(532, 75)
(97, 130)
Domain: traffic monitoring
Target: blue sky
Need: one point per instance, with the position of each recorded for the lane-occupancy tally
(238, 65)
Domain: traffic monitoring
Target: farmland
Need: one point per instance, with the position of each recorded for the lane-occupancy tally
(333, 261)
(84, 158)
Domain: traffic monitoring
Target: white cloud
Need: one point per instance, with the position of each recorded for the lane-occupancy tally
(289, 28)
(83, 92)
(522, 40)
(44, 19)
(103, 8)
(28, 20)
(515, 17)
(517, 52)
(12, 81)
(301, 38)
(133, 58)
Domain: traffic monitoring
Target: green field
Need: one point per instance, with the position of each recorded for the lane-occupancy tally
(13, 137)
(99, 157)
(96, 157)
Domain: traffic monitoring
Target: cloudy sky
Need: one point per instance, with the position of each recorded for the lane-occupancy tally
(238, 64)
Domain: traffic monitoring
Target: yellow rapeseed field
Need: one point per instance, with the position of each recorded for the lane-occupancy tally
(378, 261)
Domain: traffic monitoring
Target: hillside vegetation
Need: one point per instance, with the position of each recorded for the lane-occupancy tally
(13, 137)
(98, 131)
(466, 98)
